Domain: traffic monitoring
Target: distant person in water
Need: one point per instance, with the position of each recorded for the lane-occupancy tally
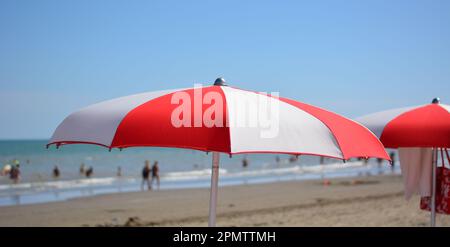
(244, 162)
(146, 176)
(82, 169)
(56, 172)
(322, 160)
(293, 158)
(155, 173)
(392, 156)
(380, 165)
(277, 160)
(119, 171)
(14, 174)
(89, 172)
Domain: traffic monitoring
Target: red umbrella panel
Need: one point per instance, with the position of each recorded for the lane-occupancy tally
(419, 126)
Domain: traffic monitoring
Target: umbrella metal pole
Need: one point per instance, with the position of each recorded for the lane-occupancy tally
(433, 189)
(214, 188)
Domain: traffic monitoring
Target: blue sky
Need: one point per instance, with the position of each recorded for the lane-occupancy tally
(351, 57)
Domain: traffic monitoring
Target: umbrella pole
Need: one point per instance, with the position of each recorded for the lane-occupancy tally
(433, 189)
(214, 187)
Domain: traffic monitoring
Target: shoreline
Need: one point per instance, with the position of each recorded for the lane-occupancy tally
(61, 190)
(363, 201)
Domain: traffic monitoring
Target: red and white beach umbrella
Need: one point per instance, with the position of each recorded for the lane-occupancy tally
(417, 126)
(424, 126)
(220, 119)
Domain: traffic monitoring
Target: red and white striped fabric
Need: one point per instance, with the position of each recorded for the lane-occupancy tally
(145, 120)
(418, 126)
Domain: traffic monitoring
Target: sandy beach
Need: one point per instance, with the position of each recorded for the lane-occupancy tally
(367, 201)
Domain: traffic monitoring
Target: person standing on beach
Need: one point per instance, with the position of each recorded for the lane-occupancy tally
(82, 169)
(14, 174)
(89, 172)
(56, 172)
(119, 171)
(155, 174)
(277, 160)
(380, 164)
(392, 156)
(244, 163)
(146, 176)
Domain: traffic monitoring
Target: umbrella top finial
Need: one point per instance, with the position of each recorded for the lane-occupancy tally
(220, 82)
(436, 100)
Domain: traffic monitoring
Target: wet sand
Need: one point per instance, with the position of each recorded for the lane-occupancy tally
(367, 201)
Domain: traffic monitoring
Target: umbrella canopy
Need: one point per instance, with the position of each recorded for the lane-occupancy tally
(220, 119)
(417, 126)
(425, 126)
(147, 120)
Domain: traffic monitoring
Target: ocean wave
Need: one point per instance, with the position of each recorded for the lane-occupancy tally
(196, 174)
(203, 174)
(62, 184)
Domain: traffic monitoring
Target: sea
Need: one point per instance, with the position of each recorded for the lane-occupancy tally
(179, 169)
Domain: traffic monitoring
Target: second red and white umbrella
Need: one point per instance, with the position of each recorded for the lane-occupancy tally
(425, 126)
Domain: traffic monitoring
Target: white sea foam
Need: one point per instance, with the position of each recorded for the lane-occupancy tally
(179, 176)
(196, 174)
